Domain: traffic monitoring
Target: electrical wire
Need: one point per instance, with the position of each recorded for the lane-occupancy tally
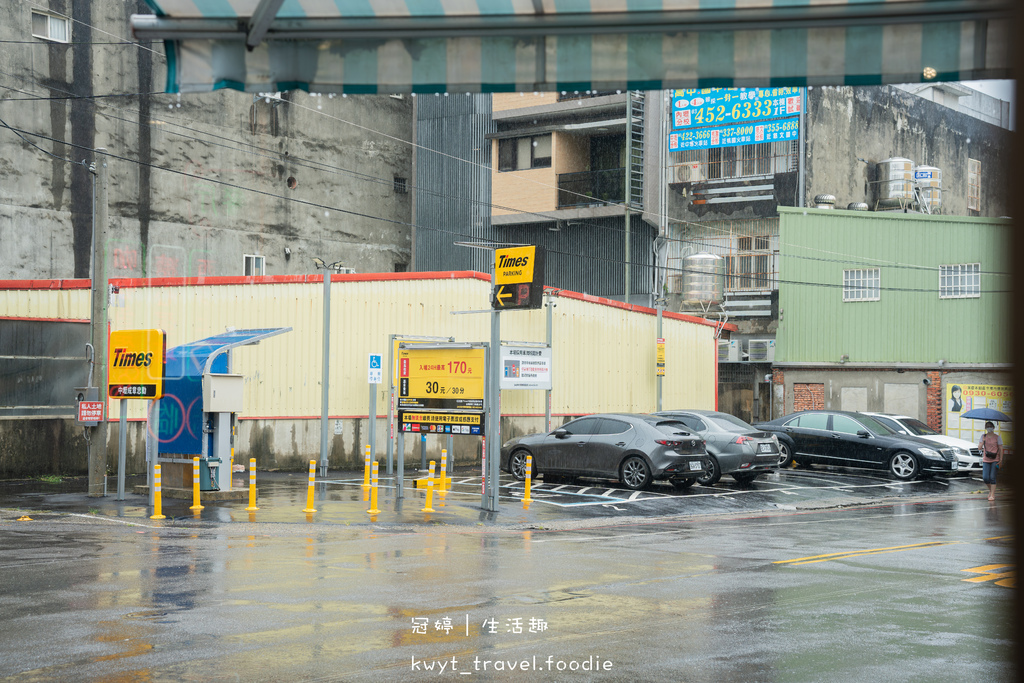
(864, 261)
(450, 232)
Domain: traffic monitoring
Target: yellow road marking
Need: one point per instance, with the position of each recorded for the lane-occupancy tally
(991, 572)
(812, 559)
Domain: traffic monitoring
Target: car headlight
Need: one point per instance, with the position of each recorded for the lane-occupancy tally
(929, 453)
(961, 451)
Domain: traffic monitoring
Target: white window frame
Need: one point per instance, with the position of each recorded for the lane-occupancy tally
(51, 20)
(960, 281)
(862, 284)
(973, 184)
(249, 265)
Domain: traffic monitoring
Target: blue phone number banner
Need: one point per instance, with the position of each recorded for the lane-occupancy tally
(732, 136)
(696, 108)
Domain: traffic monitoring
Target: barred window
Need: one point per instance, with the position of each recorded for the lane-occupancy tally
(960, 281)
(862, 284)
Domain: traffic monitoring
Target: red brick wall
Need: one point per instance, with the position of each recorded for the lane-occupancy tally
(808, 397)
(933, 400)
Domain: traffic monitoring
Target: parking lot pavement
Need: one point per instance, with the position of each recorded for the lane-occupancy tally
(340, 499)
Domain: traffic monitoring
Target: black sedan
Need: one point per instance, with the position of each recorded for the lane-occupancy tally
(734, 447)
(851, 439)
(635, 449)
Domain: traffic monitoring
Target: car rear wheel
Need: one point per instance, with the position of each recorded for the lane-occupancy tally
(683, 484)
(634, 473)
(517, 466)
(903, 466)
(746, 477)
(785, 457)
(713, 473)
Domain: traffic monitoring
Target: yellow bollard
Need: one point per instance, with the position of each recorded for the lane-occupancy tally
(252, 486)
(430, 489)
(309, 494)
(373, 492)
(366, 468)
(529, 472)
(195, 485)
(444, 471)
(158, 496)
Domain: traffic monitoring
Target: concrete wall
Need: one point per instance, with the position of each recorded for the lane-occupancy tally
(879, 389)
(196, 181)
(876, 123)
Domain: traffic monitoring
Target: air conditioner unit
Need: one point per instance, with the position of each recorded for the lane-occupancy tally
(761, 350)
(728, 351)
(691, 172)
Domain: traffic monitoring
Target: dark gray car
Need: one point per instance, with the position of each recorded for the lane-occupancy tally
(734, 447)
(635, 449)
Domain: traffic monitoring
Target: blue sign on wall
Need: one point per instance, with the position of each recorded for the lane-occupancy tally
(701, 107)
(732, 136)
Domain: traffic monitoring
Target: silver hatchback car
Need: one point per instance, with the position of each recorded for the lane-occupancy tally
(636, 449)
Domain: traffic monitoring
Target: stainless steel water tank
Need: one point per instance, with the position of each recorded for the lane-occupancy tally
(895, 183)
(704, 278)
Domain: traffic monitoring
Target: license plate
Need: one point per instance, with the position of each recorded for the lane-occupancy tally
(695, 465)
(953, 465)
(764, 448)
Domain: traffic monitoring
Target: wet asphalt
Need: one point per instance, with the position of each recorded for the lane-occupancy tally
(821, 575)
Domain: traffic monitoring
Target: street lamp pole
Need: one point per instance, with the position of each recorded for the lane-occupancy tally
(325, 381)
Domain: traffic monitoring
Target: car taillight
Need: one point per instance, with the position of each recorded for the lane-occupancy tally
(742, 439)
(666, 442)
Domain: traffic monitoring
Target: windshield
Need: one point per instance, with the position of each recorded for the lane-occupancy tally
(876, 426)
(673, 428)
(729, 423)
(919, 428)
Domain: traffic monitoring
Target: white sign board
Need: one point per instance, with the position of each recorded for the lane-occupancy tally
(376, 373)
(525, 367)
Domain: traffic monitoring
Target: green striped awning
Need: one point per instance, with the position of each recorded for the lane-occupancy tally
(394, 46)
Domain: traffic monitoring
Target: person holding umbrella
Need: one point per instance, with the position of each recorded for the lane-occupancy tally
(991, 447)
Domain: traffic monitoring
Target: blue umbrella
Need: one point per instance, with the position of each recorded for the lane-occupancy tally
(987, 414)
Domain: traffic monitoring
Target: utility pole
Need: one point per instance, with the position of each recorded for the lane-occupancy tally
(98, 319)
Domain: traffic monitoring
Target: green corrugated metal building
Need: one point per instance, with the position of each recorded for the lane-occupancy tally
(884, 310)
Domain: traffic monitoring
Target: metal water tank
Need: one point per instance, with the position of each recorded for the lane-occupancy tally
(704, 278)
(895, 183)
(929, 183)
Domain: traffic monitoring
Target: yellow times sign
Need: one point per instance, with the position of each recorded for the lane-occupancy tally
(135, 364)
(514, 265)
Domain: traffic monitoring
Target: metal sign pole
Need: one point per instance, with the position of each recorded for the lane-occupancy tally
(400, 456)
(122, 444)
(494, 423)
(373, 422)
(660, 304)
(325, 381)
(391, 402)
(547, 394)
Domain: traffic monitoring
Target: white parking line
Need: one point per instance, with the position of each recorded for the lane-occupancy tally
(635, 494)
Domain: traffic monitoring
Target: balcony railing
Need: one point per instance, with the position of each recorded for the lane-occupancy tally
(591, 187)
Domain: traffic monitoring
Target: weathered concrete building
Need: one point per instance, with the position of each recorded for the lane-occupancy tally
(221, 183)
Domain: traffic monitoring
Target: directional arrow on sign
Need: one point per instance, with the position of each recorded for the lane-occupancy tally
(501, 295)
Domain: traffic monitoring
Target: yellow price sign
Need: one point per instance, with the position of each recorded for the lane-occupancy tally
(441, 379)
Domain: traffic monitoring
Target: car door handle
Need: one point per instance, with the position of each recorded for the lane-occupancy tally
(836, 436)
(621, 443)
(581, 444)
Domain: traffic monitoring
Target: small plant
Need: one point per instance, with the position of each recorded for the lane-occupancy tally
(51, 478)
(94, 511)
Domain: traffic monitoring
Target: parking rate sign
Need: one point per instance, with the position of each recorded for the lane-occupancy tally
(441, 390)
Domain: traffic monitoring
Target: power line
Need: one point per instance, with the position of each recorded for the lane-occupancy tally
(316, 165)
(405, 223)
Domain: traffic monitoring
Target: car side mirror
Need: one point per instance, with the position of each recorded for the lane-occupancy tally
(560, 433)
(863, 433)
